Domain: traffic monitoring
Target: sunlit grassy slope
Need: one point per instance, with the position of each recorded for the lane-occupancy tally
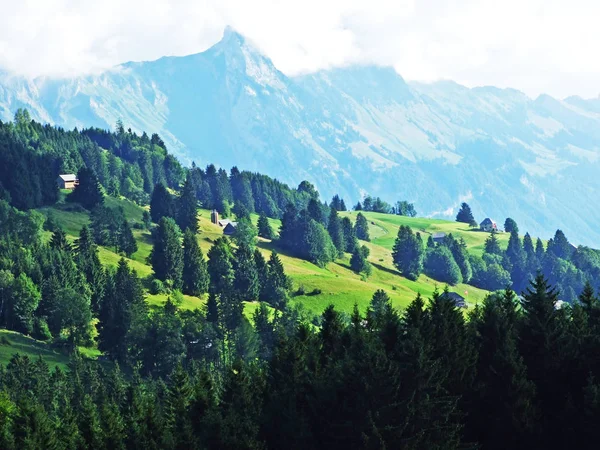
(12, 342)
(335, 284)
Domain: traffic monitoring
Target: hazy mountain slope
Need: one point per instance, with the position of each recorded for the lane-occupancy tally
(350, 130)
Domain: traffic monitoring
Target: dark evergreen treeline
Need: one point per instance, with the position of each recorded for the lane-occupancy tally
(376, 204)
(515, 374)
(447, 260)
(318, 234)
(32, 156)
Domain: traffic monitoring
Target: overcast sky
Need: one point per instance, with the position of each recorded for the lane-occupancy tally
(537, 46)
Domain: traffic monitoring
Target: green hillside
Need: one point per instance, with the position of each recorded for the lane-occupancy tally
(335, 284)
(12, 343)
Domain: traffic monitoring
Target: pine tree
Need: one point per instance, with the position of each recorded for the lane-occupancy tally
(278, 282)
(465, 215)
(89, 264)
(510, 225)
(542, 346)
(24, 300)
(126, 242)
(122, 301)
(288, 231)
(492, 246)
(337, 203)
(246, 282)
(361, 228)
(167, 254)
(146, 219)
(560, 246)
(262, 272)
(358, 261)
(161, 204)
(461, 256)
(113, 426)
(334, 227)
(516, 256)
(588, 300)
(88, 192)
(378, 308)
(58, 241)
(241, 191)
(179, 398)
(350, 241)
(265, 330)
(264, 228)
(245, 233)
(89, 424)
(212, 309)
(195, 272)
(408, 253)
(451, 343)
(504, 396)
(187, 207)
(528, 249)
(220, 267)
(315, 211)
(539, 249)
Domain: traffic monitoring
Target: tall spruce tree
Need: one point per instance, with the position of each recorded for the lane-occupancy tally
(504, 396)
(88, 192)
(358, 261)
(491, 245)
(278, 282)
(510, 225)
(187, 207)
(126, 243)
(122, 302)
(361, 228)
(559, 246)
(264, 228)
(161, 203)
(246, 282)
(316, 211)
(350, 241)
(262, 271)
(336, 232)
(465, 215)
(539, 249)
(408, 253)
(195, 272)
(89, 264)
(220, 267)
(245, 233)
(542, 340)
(167, 253)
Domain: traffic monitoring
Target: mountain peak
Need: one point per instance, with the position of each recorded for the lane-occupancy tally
(231, 38)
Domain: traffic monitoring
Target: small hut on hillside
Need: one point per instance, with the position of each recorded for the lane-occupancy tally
(67, 181)
(488, 225)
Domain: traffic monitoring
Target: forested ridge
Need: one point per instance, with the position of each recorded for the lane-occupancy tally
(516, 371)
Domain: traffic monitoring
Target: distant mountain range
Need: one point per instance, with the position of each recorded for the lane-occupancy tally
(352, 131)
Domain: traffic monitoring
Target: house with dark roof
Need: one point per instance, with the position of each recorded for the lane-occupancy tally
(458, 299)
(488, 225)
(223, 222)
(230, 228)
(67, 181)
(438, 238)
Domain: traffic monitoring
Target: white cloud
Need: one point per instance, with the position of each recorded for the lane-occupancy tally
(534, 45)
